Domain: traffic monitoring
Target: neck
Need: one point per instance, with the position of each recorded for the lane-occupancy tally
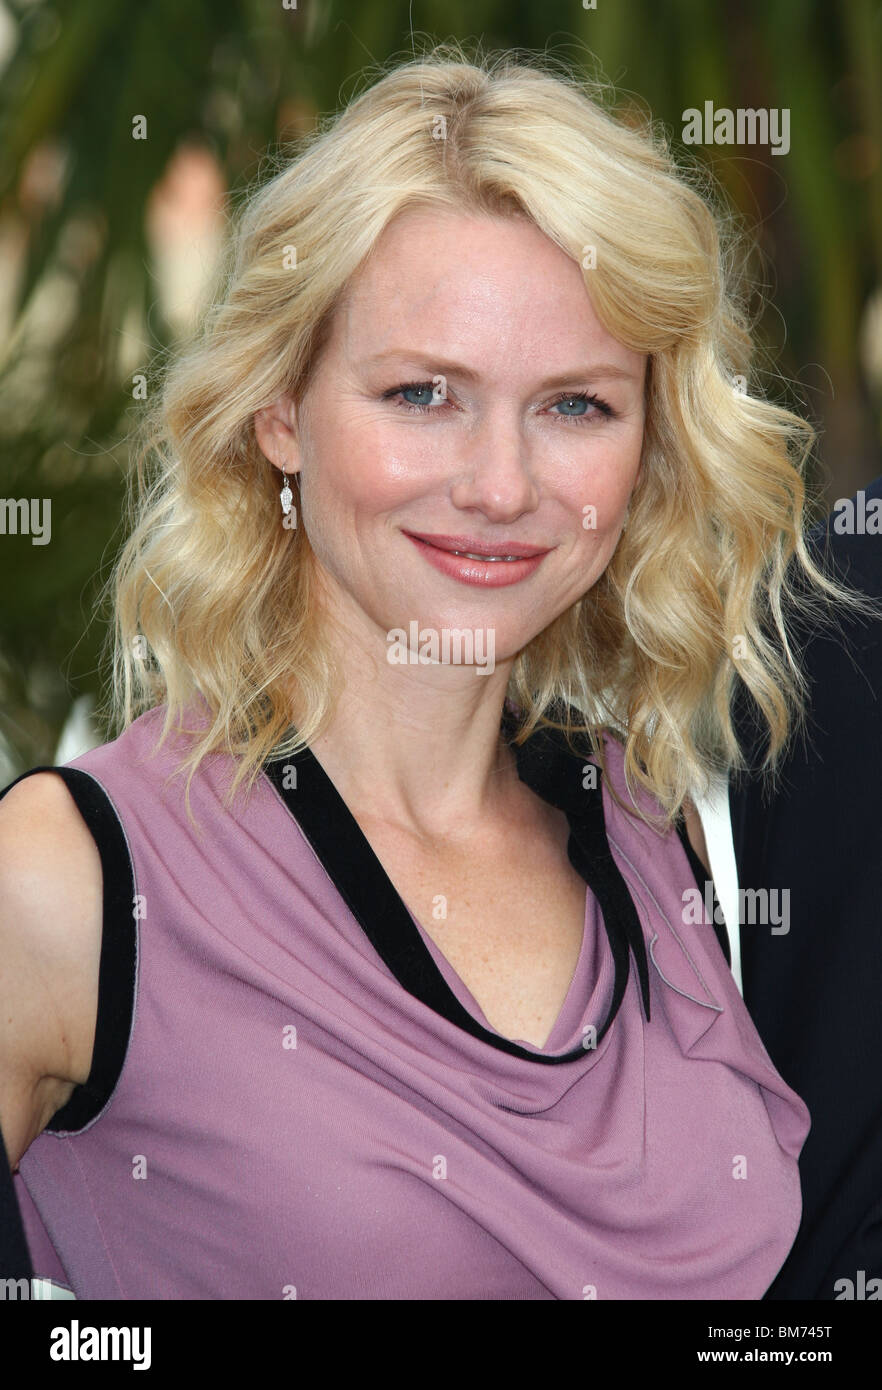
(418, 745)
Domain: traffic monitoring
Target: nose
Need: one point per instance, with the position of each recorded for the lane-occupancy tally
(494, 467)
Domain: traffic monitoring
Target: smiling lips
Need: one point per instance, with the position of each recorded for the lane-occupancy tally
(466, 559)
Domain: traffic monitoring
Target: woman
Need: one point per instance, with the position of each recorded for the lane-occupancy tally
(339, 1017)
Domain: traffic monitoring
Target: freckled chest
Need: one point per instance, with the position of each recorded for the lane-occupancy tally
(507, 911)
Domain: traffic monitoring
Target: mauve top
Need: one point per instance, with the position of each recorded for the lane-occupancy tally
(293, 1095)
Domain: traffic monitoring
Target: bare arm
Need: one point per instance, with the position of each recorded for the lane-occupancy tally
(51, 887)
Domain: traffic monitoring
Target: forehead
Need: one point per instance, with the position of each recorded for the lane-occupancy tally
(488, 288)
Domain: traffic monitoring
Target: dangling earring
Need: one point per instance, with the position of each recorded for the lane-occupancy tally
(289, 514)
(286, 494)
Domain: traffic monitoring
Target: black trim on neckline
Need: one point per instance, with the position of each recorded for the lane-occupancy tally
(551, 769)
(117, 970)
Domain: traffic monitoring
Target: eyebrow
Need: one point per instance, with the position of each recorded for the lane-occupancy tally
(596, 371)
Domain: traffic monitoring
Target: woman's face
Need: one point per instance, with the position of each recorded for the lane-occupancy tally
(455, 398)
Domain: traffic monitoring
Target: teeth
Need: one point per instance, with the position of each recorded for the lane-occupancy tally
(470, 556)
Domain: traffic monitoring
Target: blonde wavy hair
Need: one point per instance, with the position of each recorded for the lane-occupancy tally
(221, 595)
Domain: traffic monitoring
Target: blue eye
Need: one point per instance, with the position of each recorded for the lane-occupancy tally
(428, 398)
(581, 401)
(426, 392)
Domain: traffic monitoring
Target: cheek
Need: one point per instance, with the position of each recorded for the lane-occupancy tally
(597, 495)
(360, 471)
(367, 464)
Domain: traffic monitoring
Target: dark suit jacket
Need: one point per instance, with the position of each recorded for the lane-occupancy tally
(815, 993)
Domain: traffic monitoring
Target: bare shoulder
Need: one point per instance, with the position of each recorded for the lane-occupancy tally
(51, 897)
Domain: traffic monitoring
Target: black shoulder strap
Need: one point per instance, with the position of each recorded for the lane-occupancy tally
(118, 964)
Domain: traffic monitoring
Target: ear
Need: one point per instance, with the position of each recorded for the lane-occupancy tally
(275, 427)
